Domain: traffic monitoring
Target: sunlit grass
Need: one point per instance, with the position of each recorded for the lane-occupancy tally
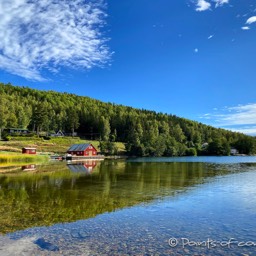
(54, 145)
(7, 158)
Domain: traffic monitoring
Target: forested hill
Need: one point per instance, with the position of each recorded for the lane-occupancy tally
(146, 133)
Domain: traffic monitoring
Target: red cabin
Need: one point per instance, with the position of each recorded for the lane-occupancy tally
(82, 150)
(30, 151)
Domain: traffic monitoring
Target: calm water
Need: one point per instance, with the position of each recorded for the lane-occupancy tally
(152, 206)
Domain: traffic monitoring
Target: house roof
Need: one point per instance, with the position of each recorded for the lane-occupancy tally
(79, 147)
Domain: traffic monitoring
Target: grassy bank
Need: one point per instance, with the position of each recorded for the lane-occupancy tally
(14, 158)
(53, 146)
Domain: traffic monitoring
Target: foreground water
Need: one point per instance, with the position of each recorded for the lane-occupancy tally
(152, 206)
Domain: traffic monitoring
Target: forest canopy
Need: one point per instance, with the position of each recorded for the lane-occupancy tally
(145, 133)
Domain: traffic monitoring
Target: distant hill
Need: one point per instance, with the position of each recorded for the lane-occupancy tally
(146, 133)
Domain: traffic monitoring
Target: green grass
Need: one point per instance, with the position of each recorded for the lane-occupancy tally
(12, 158)
(57, 145)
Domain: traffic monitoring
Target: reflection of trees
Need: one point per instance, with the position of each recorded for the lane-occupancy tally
(45, 198)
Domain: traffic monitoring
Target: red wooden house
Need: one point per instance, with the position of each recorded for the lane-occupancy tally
(82, 150)
(30, 151)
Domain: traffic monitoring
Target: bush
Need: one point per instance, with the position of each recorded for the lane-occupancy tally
(191, 152)
(7, 138)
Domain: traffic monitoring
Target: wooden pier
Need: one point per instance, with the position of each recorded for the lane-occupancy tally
(81, 158)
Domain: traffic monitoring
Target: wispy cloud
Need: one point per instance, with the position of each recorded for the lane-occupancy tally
(220, 2)
(241, 118)
(249, 130)
(202, 5)
(249, 22)
(49, 34)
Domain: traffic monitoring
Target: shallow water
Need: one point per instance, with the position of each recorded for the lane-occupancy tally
(206, 205)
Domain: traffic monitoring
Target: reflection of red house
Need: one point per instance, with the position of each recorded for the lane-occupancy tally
(85, 167)
(82, 150)
(90, 165)
(30, 167)
(30, 151)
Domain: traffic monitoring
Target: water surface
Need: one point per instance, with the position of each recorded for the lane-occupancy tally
(130, 207)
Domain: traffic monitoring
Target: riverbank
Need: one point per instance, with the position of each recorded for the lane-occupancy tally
(55, 145)
(7, 158)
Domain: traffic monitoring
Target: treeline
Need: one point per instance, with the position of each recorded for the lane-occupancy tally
(146, 133)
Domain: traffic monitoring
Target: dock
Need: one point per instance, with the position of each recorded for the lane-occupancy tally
(81, 158)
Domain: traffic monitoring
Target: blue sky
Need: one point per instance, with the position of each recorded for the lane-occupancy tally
(191, 58)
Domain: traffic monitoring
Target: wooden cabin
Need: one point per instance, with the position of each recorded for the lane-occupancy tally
(82, 150)
(30, 151)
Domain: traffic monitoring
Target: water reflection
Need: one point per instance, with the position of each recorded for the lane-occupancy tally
(59, 193)
(82, 167)
(30, 167)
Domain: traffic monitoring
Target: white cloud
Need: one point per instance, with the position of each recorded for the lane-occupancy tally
(251, 20)
(202, 5)
(241, 118)
(211, 36)
(245, 130)
(245, 28)
(48, 34)
(220, 2)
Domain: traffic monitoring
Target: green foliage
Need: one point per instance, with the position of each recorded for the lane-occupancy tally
(105, 129)
(246, 145)
(191, 152)
(108, 148)
(218, 147)
(145, 133)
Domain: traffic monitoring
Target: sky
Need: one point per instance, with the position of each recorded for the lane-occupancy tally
(190, 58)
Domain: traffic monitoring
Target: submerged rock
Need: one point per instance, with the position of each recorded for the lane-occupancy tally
(46, 245)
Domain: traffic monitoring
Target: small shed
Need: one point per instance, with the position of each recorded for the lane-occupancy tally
(30, 151)
(82, 150)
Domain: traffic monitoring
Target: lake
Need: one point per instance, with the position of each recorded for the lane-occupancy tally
(141, 206)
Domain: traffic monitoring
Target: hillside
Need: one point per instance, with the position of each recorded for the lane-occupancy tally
(145, 133)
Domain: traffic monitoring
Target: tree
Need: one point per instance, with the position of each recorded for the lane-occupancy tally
(72, 120)
(178, 133)
(105, 129)
(23, 116)
(40, 117)
(219, 147)
(245, 145)
(108, 147)
(191, 152)
(3, 115)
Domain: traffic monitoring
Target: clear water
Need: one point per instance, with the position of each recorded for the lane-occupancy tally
(206, 205)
